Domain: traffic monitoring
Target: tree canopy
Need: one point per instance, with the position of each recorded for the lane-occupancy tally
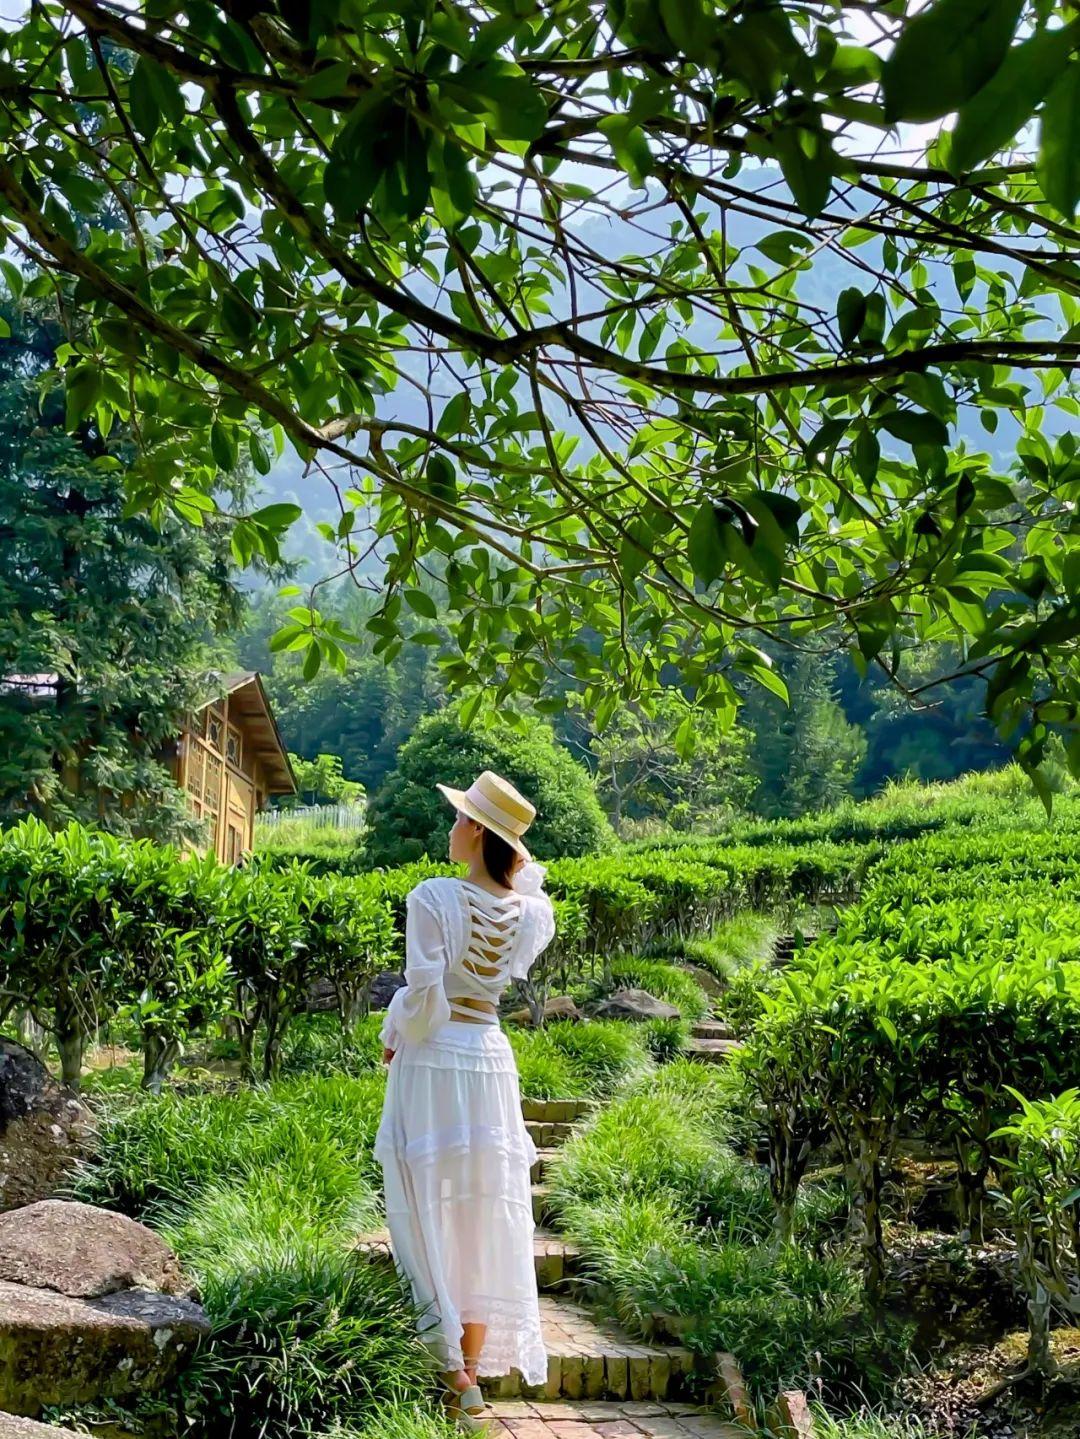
(656, 320)
(111, 626)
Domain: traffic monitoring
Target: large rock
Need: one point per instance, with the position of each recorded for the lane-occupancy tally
(43, 1130)
(559, 1006)
(55, 1349)
(15, 1426)
(634, 1004)
(84, 1252)
(383, 988)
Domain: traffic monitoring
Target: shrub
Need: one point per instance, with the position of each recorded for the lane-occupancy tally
(1040, 1163)
(409, 818)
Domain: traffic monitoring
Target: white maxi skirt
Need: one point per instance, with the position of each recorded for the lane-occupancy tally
(456, 1160)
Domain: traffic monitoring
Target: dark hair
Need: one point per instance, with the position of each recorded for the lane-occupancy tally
(498, 857)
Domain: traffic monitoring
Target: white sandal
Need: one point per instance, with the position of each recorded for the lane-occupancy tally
(467, 1407)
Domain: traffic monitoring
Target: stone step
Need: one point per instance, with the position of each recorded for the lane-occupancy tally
(592, 1360)
(711, 1029)
(606, 1419)
(559, 1111)
(555, 1259)
(545, 1133)
(711, 1051)
(544, 1158)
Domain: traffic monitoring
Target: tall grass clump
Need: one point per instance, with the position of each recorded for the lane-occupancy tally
(157, 1155)
(262, 1192)
(306, 1338)
(318, 1044)
(745, 938)
(572, 1059)
(660, 1142)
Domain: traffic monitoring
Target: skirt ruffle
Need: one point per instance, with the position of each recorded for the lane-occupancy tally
(456, 1160)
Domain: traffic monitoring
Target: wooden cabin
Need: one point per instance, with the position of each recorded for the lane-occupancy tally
(229, 760)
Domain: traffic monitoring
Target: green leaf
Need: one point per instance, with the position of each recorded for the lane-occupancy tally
(850, 314)
(422, 604)
(706, 550)
(992, 117)
(83, 385)
(223, 446)
(808, 163)
(687, 26)
(277, 517)
(260, 456)
(16, 281)
(785, 247)
(312, 660)
(945, 55)
(629, 146)
(915, 427)
(1059, 143)
(513, 108)
(441, 478)
(142, 96)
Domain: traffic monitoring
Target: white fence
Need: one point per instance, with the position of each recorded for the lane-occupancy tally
(318, 816)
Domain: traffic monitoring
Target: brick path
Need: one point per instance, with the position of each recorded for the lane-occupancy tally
(520, 1419)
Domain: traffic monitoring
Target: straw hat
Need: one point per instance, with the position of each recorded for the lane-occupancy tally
(496, 804)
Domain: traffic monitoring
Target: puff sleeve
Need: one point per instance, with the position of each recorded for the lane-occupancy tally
(541, 919)
(421, 1005)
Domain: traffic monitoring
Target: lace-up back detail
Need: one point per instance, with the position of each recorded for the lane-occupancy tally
(484, 969)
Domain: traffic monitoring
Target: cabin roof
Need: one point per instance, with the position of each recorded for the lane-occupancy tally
(248, 700)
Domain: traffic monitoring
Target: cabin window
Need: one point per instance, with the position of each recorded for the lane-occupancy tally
(233, 746)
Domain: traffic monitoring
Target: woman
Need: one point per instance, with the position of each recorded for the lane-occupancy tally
(455, 1152)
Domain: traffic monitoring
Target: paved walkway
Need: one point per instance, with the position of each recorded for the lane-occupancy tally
(620, 1419)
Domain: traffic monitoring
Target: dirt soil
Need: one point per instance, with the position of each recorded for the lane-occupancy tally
(951, 1399)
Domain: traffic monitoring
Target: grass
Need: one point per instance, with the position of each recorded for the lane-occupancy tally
(671, 1221)
(317, 1044)
(869, 1426)
(261, 1192)
(574, 1059)
(156, 1156)
(733, 944)
(661, 1142)
(661, 980)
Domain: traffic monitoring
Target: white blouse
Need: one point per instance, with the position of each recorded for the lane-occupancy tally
(463, 942)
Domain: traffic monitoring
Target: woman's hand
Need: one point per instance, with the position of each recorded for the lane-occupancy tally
(387, 1055)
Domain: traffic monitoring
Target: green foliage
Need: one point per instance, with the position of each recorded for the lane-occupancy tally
(670, 1222)
(311, 1137)
(953, 982)
(673, 764)
(322, 780)
(710, 500)
(92, 927)
(570, 1059)
(122, 612)
(806, 754)
(409, 818)
(261, 1192)
(1039, 1151)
